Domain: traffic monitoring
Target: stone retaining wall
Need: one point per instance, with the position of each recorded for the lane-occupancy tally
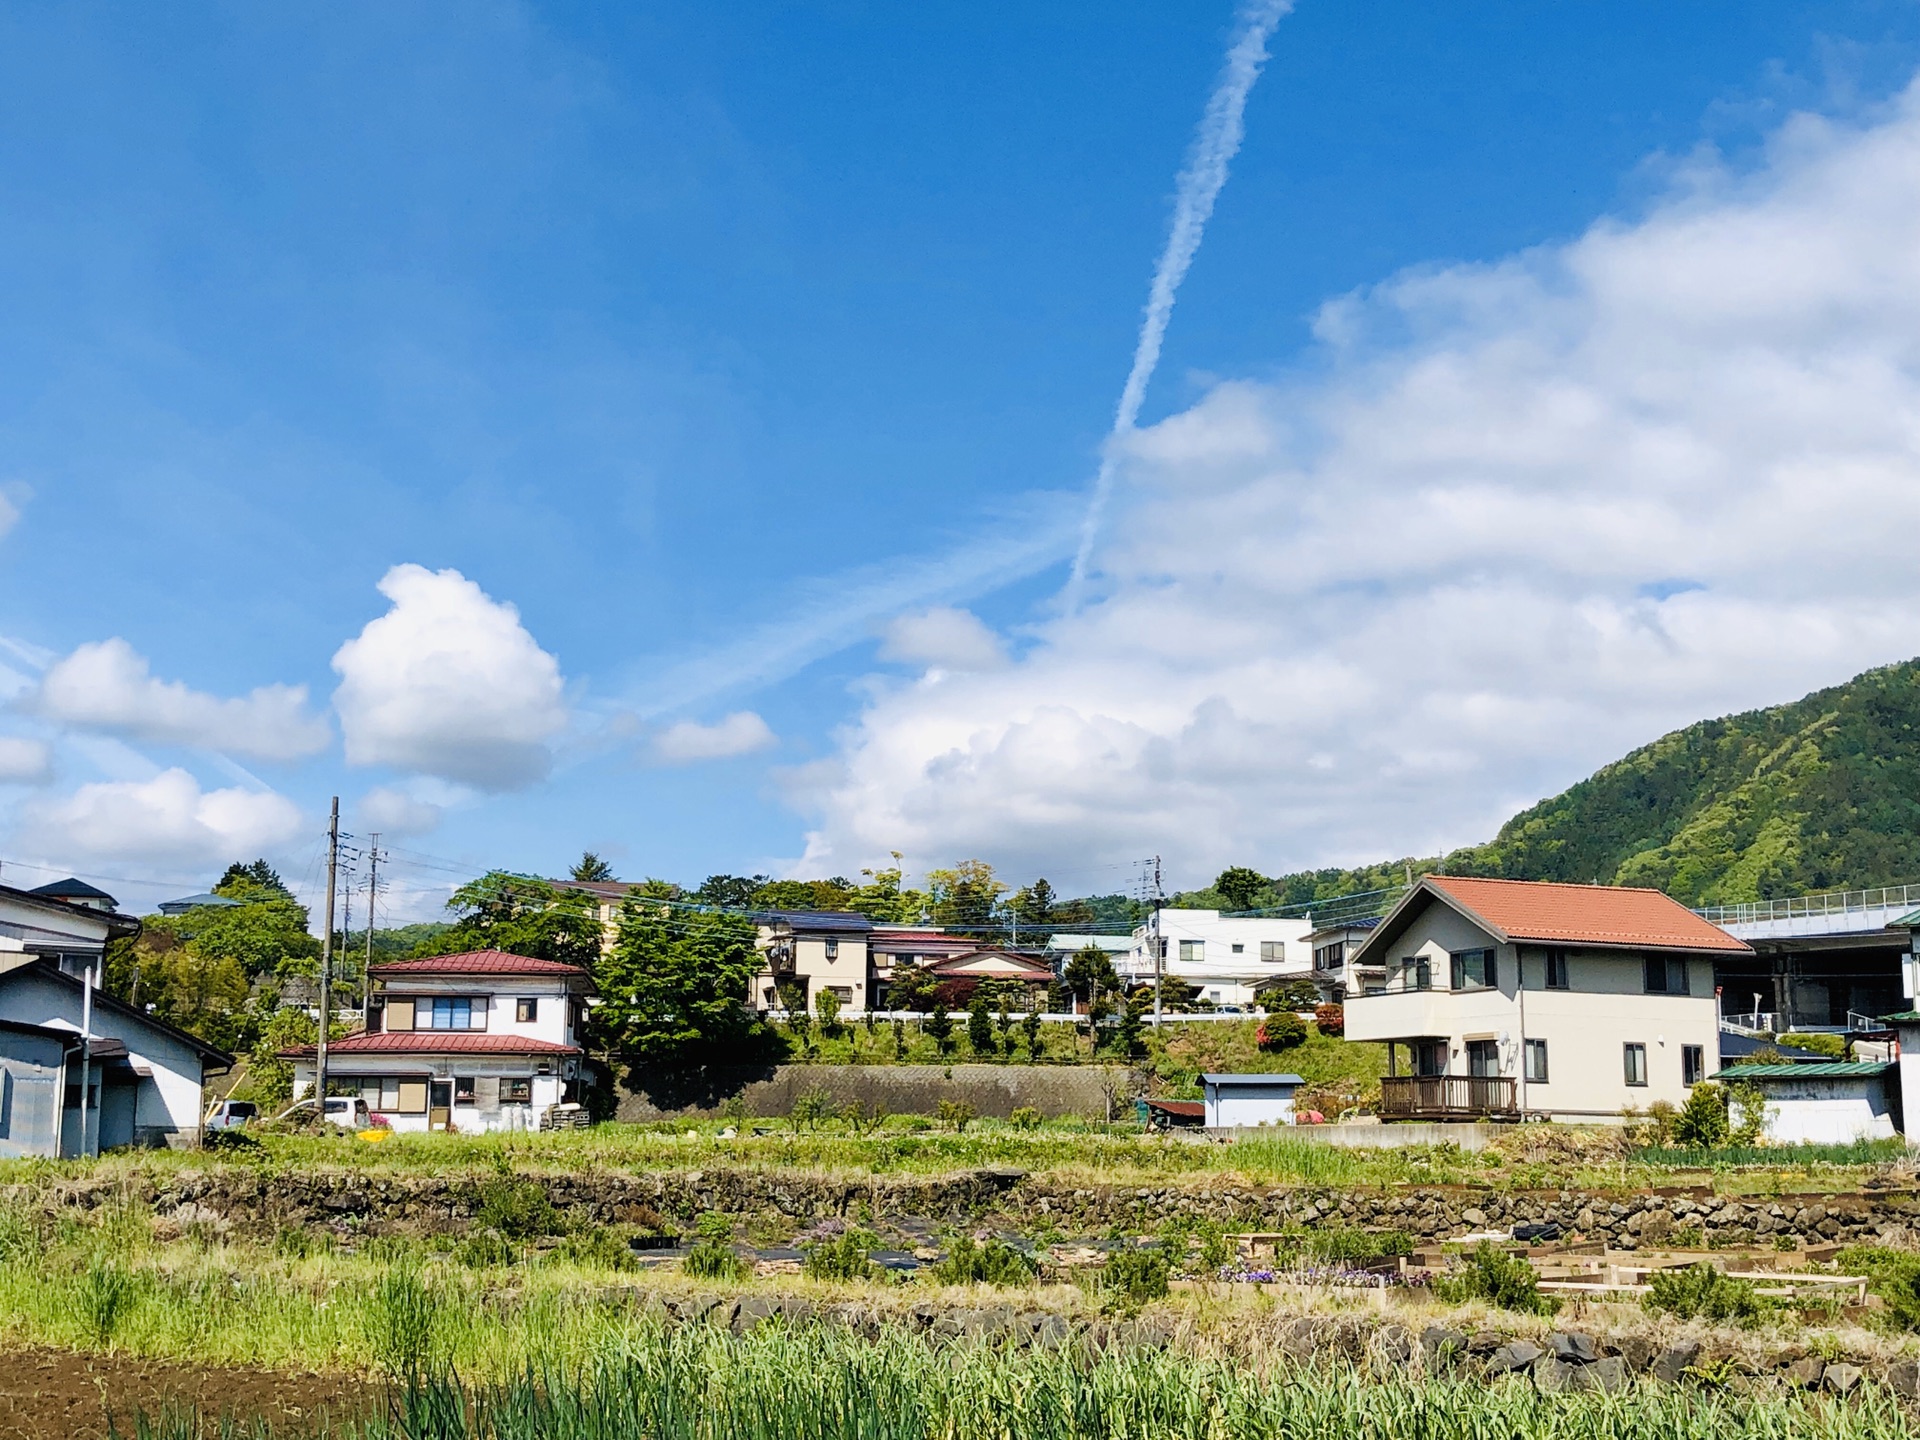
(261, 1200)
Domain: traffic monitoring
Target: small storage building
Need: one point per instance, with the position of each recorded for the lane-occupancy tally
(1828, 1103)
(1249, 1099)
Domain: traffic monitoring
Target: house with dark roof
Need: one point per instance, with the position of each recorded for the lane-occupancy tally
(808, 951)
(478, 1041)
(1505, 998)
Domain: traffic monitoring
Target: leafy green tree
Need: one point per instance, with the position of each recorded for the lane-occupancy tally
(1242, 888)
(673, 988)
(885, 899)
(1129, 1039)
(832, 894)
(965, 895)
(242, 882)
(911, 988)
(826, 1005)
(591, 867)
(980, 1026)
(730, 892)
(523, 916)
(1089, 973)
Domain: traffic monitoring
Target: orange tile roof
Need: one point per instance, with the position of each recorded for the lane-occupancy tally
(1549, 913)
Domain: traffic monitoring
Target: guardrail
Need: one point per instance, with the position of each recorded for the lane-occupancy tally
(1798, 907)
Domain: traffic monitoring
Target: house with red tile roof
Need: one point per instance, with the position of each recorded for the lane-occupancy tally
(479, 1041)
(1506, 998)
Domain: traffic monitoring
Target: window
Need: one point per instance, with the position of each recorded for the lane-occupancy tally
(452, 1014)
(526, 1010)
(1273, 951)
(1557, 970)
(1693, 1064)
(410, 1097)
(1536, 1062)
(1238, 948)
(1483, 1058)
(842, 993)
(1193, 950)
(1330, 957)
(463, 1090)
(1664, 975)
(516, 1092)
(1636, 1064)
(1416, 973)
(833, 950)
(1474, 970)
(1430, 1057)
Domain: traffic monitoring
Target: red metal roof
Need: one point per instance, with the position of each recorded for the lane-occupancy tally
(1548, 913)
(436, 1042)
(476, 962)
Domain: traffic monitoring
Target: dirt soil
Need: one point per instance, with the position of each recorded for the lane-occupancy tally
(63, 1395)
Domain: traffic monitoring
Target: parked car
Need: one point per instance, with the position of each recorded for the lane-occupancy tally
(231, 1114)
(347, 1111)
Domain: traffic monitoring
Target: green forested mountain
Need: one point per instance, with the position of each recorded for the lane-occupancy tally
(1819, 794)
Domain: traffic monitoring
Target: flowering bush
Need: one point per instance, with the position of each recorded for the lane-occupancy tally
(1330, 1020)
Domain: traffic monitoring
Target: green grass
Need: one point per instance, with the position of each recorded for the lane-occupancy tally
(1775, 1157)
(821, 1384)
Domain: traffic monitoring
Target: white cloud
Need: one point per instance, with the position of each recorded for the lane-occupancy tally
(1514, 520)
(168, 819)
(740, 733)
(943, 638)
(107, 685)
(387, 810)
(448, 682)
(24, 761)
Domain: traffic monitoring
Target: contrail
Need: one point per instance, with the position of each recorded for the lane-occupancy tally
(1215, 143)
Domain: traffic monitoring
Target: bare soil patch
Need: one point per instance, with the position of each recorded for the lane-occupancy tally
(66, 1395)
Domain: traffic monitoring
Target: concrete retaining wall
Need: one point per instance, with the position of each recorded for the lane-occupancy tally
(1472, 1137)
(994, 1091)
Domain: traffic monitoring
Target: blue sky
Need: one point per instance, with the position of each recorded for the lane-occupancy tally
(715, 340)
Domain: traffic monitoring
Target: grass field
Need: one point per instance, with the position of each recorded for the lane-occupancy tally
(811, 1384)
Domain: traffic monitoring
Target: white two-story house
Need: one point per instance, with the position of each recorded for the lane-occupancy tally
(1229, 959)
(807, 951)
(1506, 998)
(480, 1041)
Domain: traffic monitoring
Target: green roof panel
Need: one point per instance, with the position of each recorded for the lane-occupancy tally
(1823, 1070)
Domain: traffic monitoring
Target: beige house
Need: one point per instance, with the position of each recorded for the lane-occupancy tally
(1513, 997)
(814, 950)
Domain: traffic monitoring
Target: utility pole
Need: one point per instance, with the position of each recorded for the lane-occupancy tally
(86, 1058)
(1159, 946)
(373, 890)
(326, 967)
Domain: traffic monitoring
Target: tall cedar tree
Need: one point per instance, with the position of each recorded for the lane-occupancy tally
(591, 867)
(673, 990)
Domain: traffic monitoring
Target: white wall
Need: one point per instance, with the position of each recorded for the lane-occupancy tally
(1827, 1112)
(1237, 1106)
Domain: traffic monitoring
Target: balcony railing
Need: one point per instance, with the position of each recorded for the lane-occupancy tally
(1446, 1097)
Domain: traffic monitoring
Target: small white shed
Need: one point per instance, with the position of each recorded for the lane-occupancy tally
(1249, 1099)
(1825, 1102)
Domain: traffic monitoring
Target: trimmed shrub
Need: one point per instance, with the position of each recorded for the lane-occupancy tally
(1702, 1292)
(1280, 1032)
(1330, 1020)
(1135, 1276)
(1500, 1279)
(994, 1263)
